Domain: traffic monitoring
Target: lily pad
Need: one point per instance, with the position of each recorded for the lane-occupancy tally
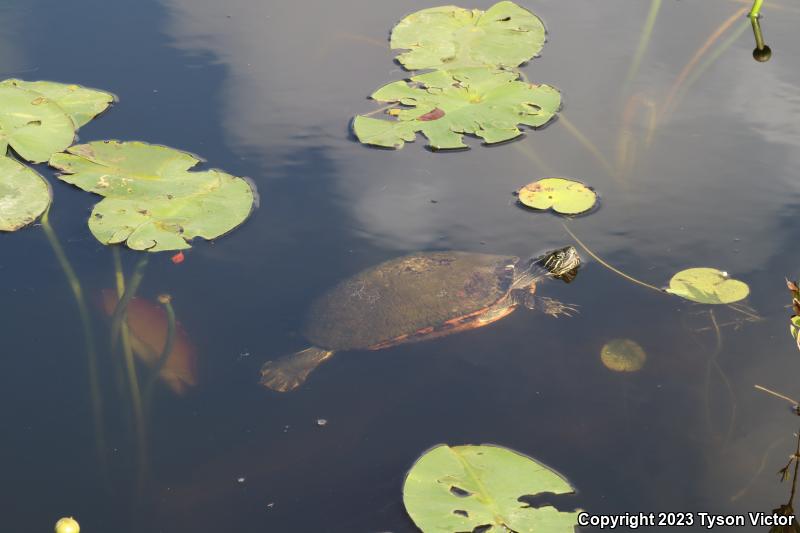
(707, 286)
(623, 355)
(32, 125)
(562, 195)
(114, 168)
(462, 488)
(80, 103)
(169, 222)
(446, 104)
(505, 35)
(24, 195)
(152, 201)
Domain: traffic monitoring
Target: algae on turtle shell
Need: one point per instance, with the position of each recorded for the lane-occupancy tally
(407, 295)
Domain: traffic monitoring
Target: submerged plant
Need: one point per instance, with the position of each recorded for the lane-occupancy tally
(152, 202)
(623, 355)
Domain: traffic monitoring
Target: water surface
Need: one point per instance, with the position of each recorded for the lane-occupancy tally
(267, 90)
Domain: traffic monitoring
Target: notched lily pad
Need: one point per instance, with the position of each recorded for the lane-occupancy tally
(24, 195)
(80, 103)
(505, 35)
(623, 355)
(707, 286)
(562, 195)
(34, 126)
(152, 201)
(462, 488)
(114, 168)
(444, 105)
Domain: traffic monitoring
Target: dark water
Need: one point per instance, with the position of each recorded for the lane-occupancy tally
(266, 90)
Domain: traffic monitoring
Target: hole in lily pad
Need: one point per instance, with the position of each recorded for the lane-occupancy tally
(458, 491)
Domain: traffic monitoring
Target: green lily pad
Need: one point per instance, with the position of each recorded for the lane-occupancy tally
(505, 35)
(24, 195)
(152, 201)
(461, 488)
(446, 104)
(563, 195)
(623, 355)
(32, 125)
(114, 168)
(169, 222)
(80, 103)
(707, 286)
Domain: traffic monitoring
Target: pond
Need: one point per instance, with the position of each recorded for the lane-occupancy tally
(268, 90)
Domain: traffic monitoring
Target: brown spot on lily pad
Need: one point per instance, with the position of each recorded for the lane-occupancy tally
(434, 114)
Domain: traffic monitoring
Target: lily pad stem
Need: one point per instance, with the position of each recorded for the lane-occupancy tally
(88, 336)
(611, 268)
(689, 67)
(587, 144)
(755, 12)
(644, 41)
(166, 301)
(777, 395)
(119, 329)
(120, 311)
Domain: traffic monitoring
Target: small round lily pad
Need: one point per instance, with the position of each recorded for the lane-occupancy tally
(562, 195)
(623, 355)
(707, 286)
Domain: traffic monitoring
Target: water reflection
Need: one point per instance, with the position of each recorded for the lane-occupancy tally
(715, 185)
(705, 190)
(12, 57)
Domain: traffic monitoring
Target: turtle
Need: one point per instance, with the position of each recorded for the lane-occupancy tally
(418, 297)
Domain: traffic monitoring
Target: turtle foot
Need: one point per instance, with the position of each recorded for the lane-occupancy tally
(555, 309)
(289, 372)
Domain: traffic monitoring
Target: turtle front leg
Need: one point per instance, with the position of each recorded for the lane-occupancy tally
(554, 308)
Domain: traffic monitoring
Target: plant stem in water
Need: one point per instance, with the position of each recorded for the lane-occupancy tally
(611, 268)
(169, 343)
(755, 12)
(119, 328)
(695, 59)
(88, 337)
(586, 143)
(644, 41)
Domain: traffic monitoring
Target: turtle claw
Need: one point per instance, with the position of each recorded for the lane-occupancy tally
(555, 309)
(274, 377)
(289, 372)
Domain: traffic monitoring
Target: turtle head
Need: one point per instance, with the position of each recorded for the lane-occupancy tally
(562, 263)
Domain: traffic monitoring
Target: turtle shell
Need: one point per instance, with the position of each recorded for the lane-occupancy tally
(415, 294)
